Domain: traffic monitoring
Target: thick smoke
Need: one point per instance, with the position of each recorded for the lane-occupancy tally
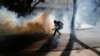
(29, 24)
(64, 16)
(62, 11)
(57, 11)
(88, 12)
(42, 21)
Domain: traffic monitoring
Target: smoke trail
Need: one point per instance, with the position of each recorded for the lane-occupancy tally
(10, 23)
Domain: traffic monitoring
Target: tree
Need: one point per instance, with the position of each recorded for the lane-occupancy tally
(22, 7)
(74, 14)
(36, 4)
(97, 5)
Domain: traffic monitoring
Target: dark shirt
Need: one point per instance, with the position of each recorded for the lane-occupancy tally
(59, 25)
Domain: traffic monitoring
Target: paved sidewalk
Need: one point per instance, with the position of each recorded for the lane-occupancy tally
(85, 43)
(83, 52)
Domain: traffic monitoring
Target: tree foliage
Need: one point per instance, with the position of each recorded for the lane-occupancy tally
(20, 6)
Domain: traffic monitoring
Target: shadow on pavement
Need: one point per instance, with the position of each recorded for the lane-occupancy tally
(17, 43)
(73, 39)
(69, 47)
(49, 46)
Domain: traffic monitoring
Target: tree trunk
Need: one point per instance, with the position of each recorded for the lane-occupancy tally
(74, 14)
(34, 6)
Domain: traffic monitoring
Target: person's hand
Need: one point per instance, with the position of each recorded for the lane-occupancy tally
(53, 28)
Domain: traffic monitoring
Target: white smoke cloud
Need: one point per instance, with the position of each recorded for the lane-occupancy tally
(10, 22)
(86, 13)
(8, 17)
(62, 14)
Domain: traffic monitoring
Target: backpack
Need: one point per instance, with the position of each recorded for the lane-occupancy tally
(60, 26)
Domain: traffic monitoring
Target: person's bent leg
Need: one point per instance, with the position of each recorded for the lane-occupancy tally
(55, 32)
(58, 31)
